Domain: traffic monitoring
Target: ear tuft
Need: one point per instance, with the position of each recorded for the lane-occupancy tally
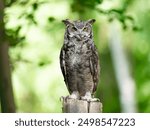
(66, 22)
(91, 21)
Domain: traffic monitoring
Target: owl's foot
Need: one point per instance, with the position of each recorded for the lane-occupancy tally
(95, 100)
(89, 98)
(74, 95)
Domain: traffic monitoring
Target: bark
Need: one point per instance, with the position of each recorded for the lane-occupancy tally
(6, 91)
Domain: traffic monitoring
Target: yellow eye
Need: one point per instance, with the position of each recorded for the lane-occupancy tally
(85, 29)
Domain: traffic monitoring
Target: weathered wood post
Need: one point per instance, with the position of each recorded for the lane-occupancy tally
(80, 106)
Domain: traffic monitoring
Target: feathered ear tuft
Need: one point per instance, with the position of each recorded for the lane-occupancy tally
(91, 21)
(66, 22)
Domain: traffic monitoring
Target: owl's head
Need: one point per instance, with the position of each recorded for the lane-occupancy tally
(80, 30)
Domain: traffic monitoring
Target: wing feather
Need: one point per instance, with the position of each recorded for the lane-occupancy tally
(94, 67)
(63, 64)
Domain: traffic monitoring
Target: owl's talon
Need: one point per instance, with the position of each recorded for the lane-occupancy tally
(95, 100)
(86, 98)
(90, 99)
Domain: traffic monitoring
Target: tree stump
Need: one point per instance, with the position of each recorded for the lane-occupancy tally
(80, 106)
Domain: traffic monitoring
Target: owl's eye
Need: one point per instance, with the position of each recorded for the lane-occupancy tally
(74, 29)
(85, 29)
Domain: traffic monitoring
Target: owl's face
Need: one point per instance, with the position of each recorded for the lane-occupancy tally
(79, 30)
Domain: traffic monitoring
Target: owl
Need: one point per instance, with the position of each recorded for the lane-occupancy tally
(79, 60)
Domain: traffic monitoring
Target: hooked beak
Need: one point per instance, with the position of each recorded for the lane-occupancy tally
(79, 37)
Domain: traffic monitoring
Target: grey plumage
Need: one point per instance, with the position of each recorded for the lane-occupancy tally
(79, 59)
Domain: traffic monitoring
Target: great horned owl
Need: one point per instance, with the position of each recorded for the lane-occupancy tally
(79, 59)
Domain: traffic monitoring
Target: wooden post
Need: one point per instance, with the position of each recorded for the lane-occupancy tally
(80, 106)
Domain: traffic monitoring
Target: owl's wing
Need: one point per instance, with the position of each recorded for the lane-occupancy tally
(63, 65)
(94, 67)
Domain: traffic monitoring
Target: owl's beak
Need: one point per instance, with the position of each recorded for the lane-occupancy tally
(79, 37)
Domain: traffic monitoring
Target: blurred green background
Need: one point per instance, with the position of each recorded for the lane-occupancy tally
(35, 34)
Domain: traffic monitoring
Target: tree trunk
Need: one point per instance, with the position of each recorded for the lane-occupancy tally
(125, 81)
(6, 91)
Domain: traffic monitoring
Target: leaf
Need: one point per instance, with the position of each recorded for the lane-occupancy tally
(35, 6)
(51, 19)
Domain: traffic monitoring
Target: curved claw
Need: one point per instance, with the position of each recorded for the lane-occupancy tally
(90, 99)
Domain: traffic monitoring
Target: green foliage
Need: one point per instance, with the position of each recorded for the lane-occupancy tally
(79, 5)
(35, 32)
(141, 54)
